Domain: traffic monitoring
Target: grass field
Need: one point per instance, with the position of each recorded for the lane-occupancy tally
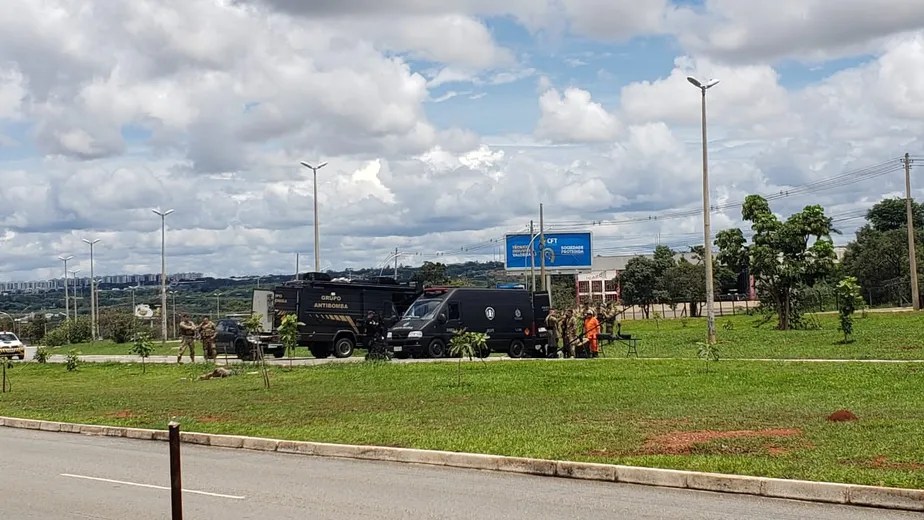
(879, 335)
(756, 418)
(107, 347)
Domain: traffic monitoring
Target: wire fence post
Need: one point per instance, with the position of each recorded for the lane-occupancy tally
(176, 487)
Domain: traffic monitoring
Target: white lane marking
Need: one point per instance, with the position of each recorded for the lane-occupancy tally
(152, 486)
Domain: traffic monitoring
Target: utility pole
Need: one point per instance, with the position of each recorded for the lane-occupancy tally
(542, 248)
(296, 266)
(532, 257)
(912, 261)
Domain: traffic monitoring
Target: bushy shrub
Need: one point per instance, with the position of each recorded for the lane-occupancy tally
(120, 327)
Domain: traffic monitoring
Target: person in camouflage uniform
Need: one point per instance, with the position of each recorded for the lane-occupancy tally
(569, 333)
(609, 318)
(553, 328)
(207, 333)
(187, 336)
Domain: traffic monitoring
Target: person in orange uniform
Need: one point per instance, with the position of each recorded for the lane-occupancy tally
(591, 329)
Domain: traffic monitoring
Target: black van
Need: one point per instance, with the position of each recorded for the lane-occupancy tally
(332, 313)
(510, 318)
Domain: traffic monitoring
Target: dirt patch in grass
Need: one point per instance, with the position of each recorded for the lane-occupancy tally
(682, 443)
(883, 462)
(842, 416)
(122, 414)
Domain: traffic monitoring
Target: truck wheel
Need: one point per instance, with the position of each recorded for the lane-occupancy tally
(242, 350)
(319, 351)
(21, 356)
(436, 349)
(517, 349)
(485, 352)
(279, 352)
(402, 355)
(343, 348)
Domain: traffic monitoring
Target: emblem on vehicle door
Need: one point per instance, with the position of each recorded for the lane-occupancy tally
(517, 314)
(489, 313)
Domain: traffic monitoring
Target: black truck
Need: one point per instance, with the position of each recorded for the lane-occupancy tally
(513, 319)
(333, 313)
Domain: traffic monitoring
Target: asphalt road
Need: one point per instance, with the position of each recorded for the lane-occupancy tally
(52, 475)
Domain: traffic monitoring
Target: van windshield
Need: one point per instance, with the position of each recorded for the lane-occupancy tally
(423, 309)
(6, 336)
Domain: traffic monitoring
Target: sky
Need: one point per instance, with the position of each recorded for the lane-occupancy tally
(444, 125)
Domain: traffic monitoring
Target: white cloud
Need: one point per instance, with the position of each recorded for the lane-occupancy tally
(805, 29)
(615, 20)
(12, 93)
(748, 97)
(574, 116)
(208, 108)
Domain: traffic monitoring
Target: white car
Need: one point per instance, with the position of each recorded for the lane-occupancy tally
(11, 346)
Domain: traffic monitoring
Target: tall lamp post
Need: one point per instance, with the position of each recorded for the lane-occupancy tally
(173, 297)
(163, 272)
(74, 278)
(707, 234)
(317, 253)
(217, 306)
(67, 301)
(93, 327)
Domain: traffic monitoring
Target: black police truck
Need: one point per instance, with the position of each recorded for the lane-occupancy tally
(333, 313)
(513, 319)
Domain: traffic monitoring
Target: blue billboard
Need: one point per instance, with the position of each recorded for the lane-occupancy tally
(563, 251)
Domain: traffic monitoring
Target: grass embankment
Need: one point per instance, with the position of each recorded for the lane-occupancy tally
(879, 335)
(666, 413)
(110, 348)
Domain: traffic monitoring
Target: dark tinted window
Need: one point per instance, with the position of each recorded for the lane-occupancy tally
(454, 311)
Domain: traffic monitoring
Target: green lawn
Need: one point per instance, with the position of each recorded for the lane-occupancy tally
(879, 335)
(108, 347)
(640, 412)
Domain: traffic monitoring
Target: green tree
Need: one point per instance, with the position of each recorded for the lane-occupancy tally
(563, 291)
(118, 326)
(35, 329)
(431, 273)
(639, 282)
(288, 334)
(786, 256)
(848, 299)
(142, 346)
(879, 261)
(686, 282)
(889, 214)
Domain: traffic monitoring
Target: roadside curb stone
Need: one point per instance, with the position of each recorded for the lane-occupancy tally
(827, 492)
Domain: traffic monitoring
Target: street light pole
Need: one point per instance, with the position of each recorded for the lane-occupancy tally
(217, 306)
(317, 254)
(707, 233)
(67, 301)
(93, 327)
(173, 295)
(163, 272)
(74, 277)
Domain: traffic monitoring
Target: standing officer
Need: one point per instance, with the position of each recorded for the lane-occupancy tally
(552, 326)
(188, 337)
(568, 334)
(207, 333)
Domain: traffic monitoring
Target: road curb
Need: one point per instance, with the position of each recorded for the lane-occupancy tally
(848, 494)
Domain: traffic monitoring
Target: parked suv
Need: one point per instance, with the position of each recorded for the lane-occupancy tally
(11, 346)
(232, 339)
